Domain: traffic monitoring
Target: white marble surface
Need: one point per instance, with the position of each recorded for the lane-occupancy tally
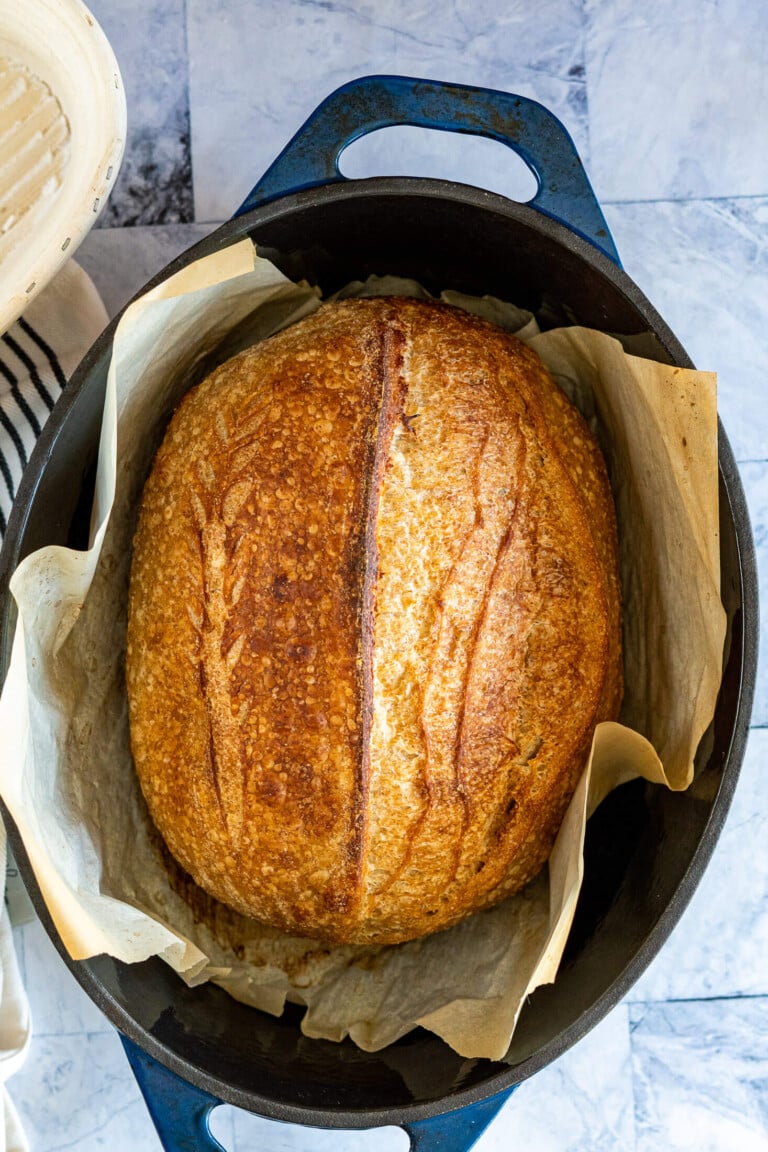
(75, 1092)
(667, 104)
(677, 93)
(149, 40)
(699, 1075)
(274, 62)
(720, 946)
(704, 265)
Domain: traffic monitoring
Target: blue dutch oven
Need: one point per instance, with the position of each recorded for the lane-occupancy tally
(646, 847)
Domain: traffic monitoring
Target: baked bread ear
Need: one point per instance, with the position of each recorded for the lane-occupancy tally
(373, 620)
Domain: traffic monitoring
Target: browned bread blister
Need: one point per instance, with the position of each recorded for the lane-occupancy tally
(373, 620)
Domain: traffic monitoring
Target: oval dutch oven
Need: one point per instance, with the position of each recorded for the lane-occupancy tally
(646, 848)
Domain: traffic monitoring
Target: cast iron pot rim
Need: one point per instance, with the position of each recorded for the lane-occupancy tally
(238, 227)
(507, 1078)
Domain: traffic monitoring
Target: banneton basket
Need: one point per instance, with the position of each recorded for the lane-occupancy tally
(62, 132)
(646, 847)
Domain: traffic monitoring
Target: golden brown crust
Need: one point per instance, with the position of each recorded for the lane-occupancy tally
(373, 620)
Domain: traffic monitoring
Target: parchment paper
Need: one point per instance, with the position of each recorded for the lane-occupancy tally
(67, 775)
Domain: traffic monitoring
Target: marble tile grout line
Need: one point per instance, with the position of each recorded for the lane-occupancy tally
(632, 1078)
(703, 999)
(109, 1030)
(686, 199)
(188, 62)
(585, 76)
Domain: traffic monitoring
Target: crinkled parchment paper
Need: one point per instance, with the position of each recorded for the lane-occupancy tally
(66, 772)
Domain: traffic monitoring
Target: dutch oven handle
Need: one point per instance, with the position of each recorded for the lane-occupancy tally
(181, 1112)
(311, 158)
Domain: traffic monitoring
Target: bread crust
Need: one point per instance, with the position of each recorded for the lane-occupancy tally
(374, 618)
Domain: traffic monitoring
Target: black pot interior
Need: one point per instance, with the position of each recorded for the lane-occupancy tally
(645, 847)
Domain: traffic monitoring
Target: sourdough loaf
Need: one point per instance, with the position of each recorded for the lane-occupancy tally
(373, 620)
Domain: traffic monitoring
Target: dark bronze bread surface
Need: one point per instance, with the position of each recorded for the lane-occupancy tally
(373, 620)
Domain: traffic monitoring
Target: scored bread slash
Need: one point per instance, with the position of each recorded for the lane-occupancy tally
(368, 657)
(108, 881)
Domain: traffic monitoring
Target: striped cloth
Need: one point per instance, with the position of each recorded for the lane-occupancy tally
(38, 354)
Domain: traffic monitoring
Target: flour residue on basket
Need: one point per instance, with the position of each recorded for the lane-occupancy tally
(34, 142)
